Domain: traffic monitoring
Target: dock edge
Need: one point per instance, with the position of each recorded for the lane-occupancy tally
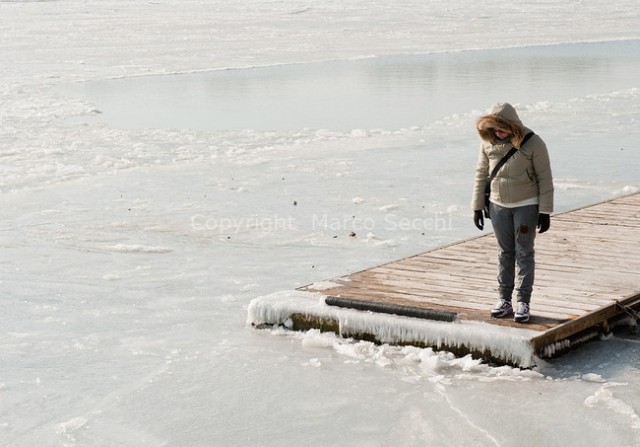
(302, 311)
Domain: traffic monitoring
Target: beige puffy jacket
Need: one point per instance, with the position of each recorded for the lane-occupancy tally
(526, 174)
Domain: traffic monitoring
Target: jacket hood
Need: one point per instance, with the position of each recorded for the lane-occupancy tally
(502, 116)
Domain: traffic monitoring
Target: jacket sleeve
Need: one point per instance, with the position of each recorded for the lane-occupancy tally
(542, 167)
(481, 179)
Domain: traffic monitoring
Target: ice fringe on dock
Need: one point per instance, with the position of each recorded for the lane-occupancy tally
(507, 343)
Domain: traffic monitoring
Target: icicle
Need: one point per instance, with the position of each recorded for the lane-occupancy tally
(508, 343)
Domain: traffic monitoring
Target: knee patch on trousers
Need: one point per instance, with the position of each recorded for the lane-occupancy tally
(525, 236)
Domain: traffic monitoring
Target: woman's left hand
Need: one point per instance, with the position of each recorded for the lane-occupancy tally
(544, 222)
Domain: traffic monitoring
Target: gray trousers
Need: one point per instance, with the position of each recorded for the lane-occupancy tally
(515, 230)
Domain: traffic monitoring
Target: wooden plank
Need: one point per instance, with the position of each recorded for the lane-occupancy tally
(430, 283)
(567, 329)
(537, 323)
(426, 281)
(461, 299)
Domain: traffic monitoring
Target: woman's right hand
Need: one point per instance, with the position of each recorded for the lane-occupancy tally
(478, 219)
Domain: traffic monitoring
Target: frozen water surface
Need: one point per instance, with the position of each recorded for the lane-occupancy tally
(389, 93)
(130, 249)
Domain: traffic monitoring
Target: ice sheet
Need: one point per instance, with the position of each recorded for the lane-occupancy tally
(356, 96)
(129, 256)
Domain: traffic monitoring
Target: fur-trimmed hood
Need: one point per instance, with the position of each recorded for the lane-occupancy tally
(503, 117)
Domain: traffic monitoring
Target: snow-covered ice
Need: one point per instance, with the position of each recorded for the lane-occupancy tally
(131, 252)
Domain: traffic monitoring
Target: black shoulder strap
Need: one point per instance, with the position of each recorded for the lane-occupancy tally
(526, 138)
(504, 159)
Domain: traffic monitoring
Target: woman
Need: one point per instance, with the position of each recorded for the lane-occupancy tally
(521, 199)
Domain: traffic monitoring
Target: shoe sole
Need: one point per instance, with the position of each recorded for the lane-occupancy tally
(521, 319)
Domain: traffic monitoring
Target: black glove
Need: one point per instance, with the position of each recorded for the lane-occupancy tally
(544, 222)
(478, 219)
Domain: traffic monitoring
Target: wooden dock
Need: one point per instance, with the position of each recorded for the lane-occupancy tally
(587, 280)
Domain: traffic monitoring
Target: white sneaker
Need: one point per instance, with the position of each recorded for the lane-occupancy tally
(502, 309)
(522, 314)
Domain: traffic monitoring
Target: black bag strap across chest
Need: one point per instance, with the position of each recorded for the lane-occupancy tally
(504, 159)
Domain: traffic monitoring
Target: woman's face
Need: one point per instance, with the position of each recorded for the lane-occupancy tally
(500, 134)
